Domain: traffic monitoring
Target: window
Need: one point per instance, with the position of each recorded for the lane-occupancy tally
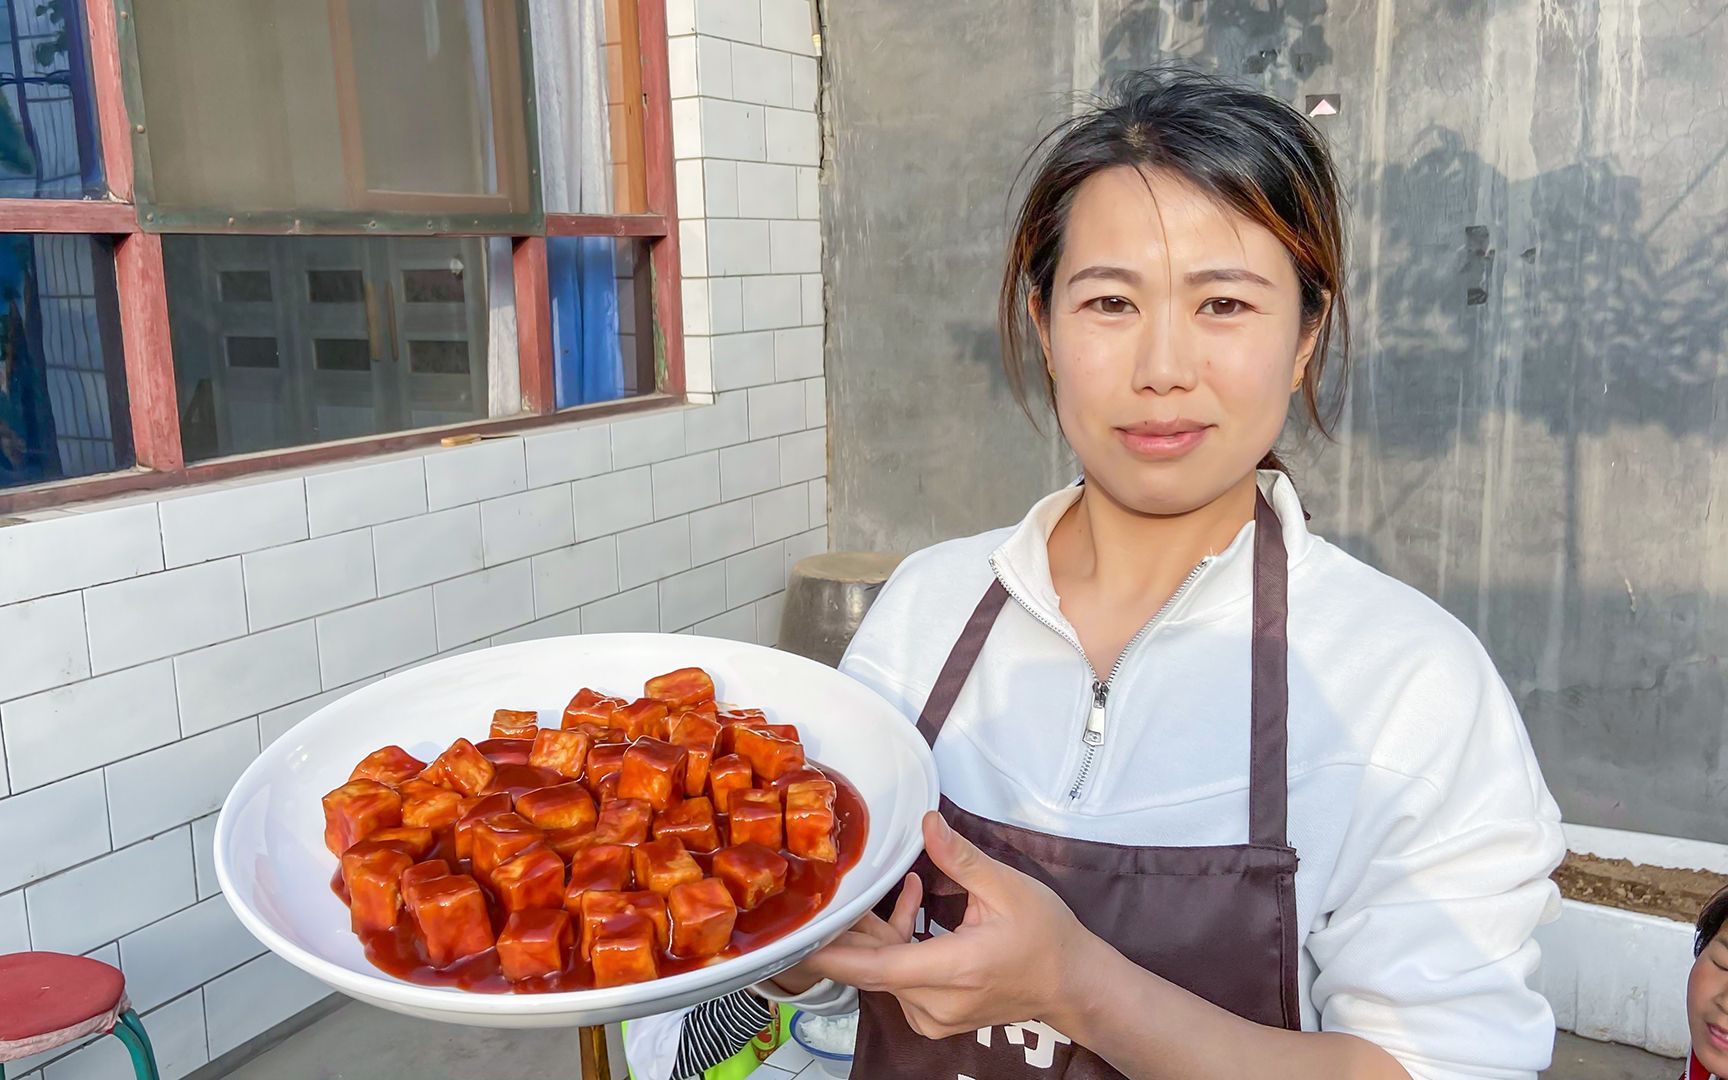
(260, 233)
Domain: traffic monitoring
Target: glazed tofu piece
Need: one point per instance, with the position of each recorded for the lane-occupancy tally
(603, 761)
(810, 823)
(533, 879)
(789, 732)
(704, 708)
(751, 873)
(725, 776)
(392, 766)
(564, 752)
(598, 868)
(566, 806)
(428, 806)
(590, 707)
(356, 810)
(536, 943)
(703, 915)
(641, 719)
(691, 822)
(515, 724)
(729, 729)
(419, 874)
(699, 736)
(738, 714)
(568, 842)
(602, 910)
(681, 689)
(769, 755)
(623, 821)
(663, 864)
(373, 873)
(451, 913)
(755, 818)
(653, 771)
(500, 838)
(415, 842)
(625, 953)
(462, 768)
(607, 790)
(473, 812)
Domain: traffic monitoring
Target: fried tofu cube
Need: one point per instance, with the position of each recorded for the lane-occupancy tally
(623, 821)
(452, 916)
(682, 688)
(703, 915)
(642, 718)
(755, 818)
(625, 953)
(515, 724)
(789, 732)
(598, 868)
(699, 736)
(751, 873)
(462, 768)
(653, 771)
(473, 812)
(590, 707)
(416, 842)
(729, 729)
(428, 806)
(662, 864)
(372, 871)
(691, 822)
(738, 714)
(564, 752)
(704, 708)
(599, 909)
(727, 775)
(604, 760)
(535, 943)
(419, 874)
(810, 820)
(607, 790)
(502, 752)
(568, 842)
(770, 756)
(566, 806)
(500, 838)
(356, 810)
(533, 879)
(391, 765)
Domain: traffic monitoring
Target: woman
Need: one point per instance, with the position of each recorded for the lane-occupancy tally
(1707, 993)
(1218, 798)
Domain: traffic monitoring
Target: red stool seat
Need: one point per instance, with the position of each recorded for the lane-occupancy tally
(48, 1000)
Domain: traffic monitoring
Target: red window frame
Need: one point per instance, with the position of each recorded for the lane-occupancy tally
(140, 283)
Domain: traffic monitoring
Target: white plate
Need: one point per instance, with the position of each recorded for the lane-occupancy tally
(275, 871)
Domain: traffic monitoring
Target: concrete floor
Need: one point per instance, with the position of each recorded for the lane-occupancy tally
(359, 1042)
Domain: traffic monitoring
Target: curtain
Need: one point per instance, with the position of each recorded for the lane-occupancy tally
(576, 164)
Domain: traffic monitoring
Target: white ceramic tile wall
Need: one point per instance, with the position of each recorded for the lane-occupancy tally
(167, 638)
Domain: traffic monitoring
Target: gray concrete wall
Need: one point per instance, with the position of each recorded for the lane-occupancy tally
(1535, 427)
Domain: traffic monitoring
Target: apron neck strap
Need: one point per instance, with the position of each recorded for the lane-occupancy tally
(1269, 687)
(1268, 777)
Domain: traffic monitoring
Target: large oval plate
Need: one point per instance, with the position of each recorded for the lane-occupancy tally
(275, 871)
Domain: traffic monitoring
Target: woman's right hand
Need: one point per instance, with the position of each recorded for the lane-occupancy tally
(871, 931)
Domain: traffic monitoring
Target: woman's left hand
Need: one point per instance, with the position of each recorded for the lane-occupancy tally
(1015, 957)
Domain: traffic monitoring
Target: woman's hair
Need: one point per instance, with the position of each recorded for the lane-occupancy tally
(1250, 151)
(1710, 922)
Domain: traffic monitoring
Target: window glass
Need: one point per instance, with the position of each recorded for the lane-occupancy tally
(602, 318)
(286, 341)
(364, 105)
(63, 409)
(588, 69)
(49, 142)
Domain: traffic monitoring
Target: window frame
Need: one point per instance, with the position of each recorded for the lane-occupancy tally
(146, 347)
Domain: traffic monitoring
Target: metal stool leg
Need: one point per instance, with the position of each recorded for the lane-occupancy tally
(129, 1031)
(133, 1021)
(595, 1063)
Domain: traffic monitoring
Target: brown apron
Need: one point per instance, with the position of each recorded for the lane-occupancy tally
(1218, 921)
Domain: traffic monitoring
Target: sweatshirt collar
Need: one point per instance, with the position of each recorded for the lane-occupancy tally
(1022, 562)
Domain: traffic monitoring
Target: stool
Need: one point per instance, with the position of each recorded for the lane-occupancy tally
(48, 1000)
(826, 598)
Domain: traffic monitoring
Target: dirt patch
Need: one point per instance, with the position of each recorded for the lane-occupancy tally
(1630, 886)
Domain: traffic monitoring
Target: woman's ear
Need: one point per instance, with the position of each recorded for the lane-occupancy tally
(1309, 341)
(1042, 324)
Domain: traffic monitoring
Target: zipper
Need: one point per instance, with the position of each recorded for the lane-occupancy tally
(1092, 735)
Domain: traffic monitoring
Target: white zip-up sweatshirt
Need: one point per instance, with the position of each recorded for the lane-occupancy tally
(1424, 831)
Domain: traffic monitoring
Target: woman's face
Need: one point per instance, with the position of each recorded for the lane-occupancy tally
(1174, 336)
(1707, 1006)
